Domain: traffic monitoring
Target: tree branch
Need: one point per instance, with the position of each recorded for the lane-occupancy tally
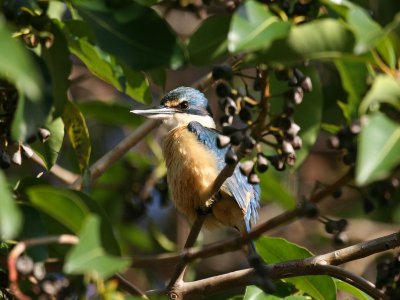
(316, 265)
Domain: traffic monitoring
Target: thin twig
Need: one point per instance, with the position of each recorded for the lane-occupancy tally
(21, 247)
(129, 286)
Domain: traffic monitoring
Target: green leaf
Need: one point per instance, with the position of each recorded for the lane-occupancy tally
(254, 27)
(103, 65)
(366, 30)
(16, 64)
(59, 66)
(50, 149)
(89, 256)
(358, 294)
(63, 205)
(378, 149)
(274, 250)
(273, 190)
(354, 80)
(255, 293)
(10, 215)
(384, 89)
(75, 125)
(209, 42)
(320, 39)
(100, 111)
(133, 33)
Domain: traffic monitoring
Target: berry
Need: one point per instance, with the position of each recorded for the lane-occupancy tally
(249, 142)
(245, 114)
(222, 72)
(306, 84)
(236, 138)
(24, 264)
(253, 178)
(246, 167)
(44, 134)
(262, 163)
(231, 157)
(223, 90)
(5, 161)
(223, 141)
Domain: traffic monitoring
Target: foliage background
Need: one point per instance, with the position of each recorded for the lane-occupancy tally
(76, 68)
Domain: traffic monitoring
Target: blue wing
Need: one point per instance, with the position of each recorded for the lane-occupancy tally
(237, 184)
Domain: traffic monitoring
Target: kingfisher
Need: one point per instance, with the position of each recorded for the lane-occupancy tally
(194, 160)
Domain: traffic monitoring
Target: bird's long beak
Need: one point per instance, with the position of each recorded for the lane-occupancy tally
(159, 113)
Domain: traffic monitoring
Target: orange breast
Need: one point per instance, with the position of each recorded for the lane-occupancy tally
(191, 170)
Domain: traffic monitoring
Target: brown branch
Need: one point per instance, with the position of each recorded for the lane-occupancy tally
(100, 166)
(324, 264)
(129, 286)
(21, 247)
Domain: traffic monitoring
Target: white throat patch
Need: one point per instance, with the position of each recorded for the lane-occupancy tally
(182, 119)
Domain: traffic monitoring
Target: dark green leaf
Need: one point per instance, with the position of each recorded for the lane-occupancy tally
(254, 27)
(16, 63)
(384, 89)
(134, 34)
(10, 215)
(273, 190)
(33, 228)
(75, 125)
(208, 43)
(50, 149)
(320, 39)
(378, 149)
(100, 111)
(89, 256)
(358, 294)
(354, 80)
(103, 65)
(59, 66)
(64, 206)
(274, 250)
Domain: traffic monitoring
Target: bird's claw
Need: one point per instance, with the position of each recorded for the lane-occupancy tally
(262, 271)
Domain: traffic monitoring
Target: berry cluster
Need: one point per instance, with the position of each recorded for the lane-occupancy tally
(388, 277)
(31, 20)
(43, 285)
(280, 133)
(345, 140)
(11, 152)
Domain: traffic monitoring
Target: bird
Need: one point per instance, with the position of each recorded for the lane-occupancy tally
(194, 160)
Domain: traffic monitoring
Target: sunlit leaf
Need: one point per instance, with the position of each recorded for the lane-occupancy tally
(254, 27)
(10, 215)
(50, 149)
(89, 256)
(133, 33)
(274, 250)
(366, 30)
(320, 39)
(378, 149)
(209, 42)
(358, 294)
(384, 89)
(75, 125)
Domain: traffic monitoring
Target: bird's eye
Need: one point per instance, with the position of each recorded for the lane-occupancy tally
(184, 105)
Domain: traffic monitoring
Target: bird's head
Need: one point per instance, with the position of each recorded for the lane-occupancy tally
(179, 107)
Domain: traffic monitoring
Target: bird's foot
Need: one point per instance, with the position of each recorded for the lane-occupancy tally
(262, 271)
